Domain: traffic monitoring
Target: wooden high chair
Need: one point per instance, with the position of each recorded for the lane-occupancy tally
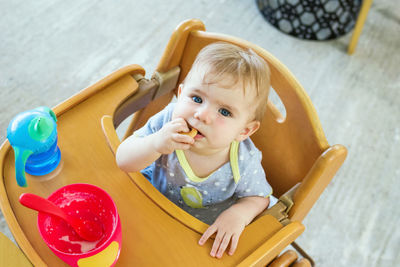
(298, 161)
(10, 255)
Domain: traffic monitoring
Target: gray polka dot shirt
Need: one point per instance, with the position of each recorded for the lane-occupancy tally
(206, 197)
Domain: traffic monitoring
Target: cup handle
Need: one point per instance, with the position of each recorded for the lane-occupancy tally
(21, 155)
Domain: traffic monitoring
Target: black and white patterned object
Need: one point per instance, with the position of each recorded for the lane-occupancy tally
(311, 19)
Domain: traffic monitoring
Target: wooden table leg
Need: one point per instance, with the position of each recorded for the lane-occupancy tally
(359, 25)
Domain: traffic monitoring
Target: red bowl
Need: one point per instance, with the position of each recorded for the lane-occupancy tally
(82, 200)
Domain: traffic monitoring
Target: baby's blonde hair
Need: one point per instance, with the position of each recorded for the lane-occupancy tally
(242, 64)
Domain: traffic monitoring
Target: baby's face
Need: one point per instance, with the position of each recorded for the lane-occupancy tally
(220, 113)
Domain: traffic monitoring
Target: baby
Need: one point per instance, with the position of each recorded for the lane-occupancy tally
(215, 175)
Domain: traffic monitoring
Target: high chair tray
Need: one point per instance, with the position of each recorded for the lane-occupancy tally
(154, 231)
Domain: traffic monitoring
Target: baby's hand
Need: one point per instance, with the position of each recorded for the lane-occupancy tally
(170, 137)
(228, 226)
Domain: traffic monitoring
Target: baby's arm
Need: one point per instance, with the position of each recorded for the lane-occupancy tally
(230, 224)
(136, 153)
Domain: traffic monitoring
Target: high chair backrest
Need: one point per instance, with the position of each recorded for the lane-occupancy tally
(290, 145)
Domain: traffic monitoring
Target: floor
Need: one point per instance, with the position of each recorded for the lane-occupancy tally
(50, 50)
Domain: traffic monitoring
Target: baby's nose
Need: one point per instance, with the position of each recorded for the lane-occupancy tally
(204, 114)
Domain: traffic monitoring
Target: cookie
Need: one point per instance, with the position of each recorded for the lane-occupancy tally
(192, 133)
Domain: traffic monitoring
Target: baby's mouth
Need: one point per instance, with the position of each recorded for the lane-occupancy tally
(199, 135)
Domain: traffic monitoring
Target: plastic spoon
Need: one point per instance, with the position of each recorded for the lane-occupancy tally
(90, 230)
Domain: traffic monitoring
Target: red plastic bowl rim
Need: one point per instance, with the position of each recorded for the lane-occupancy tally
(96, 250)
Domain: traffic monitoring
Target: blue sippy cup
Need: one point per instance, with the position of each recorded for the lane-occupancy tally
(33, 136)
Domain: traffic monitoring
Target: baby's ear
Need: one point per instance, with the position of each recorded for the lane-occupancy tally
(180, 89)
(250, 128)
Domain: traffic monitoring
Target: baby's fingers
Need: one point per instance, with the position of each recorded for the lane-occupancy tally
(234, 243)
(207, 234)
(180, 125)
(181, 138)
(217, 242)
(223, 246)
(182, 146)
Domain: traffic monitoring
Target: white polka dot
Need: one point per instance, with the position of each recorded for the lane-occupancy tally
(223, 189)
(241, 157)
(252, 152)
(205, 192)
(171, 174)
(260, 194)
(247, 190)
(255, 171)
(217, 183)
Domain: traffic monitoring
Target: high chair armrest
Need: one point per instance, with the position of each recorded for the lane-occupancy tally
(316, 181)
(110, 134)
(92, 90)
(266, 252)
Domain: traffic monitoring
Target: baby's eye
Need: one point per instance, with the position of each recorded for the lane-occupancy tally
(197, 99)
(225, 112)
